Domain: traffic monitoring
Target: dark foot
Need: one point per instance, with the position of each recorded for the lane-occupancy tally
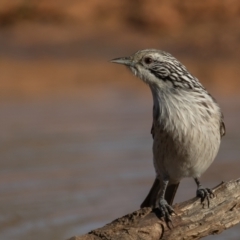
(205, 193)
(165, 211)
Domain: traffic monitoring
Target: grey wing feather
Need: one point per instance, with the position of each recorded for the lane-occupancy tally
(222, 127)
(152, 131)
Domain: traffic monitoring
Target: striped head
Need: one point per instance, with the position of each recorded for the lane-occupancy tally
(160, 69)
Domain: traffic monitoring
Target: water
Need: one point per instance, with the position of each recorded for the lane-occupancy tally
(72, 164)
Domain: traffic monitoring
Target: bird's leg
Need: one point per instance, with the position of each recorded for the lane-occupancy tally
(165, 210)
(203, 193)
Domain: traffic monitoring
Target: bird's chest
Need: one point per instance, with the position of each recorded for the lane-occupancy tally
(184, 148)
(171, 142)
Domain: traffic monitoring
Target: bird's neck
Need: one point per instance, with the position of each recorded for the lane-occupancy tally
(163, 103)
(172, 107)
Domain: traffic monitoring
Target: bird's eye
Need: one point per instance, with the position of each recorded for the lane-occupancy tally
(148, 60)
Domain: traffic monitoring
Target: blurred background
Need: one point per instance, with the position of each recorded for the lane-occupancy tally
(75, 129)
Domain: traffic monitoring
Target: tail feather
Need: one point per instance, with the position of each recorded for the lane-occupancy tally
(171, 192)
(151, 199)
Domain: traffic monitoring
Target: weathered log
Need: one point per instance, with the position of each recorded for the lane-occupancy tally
(193, 220)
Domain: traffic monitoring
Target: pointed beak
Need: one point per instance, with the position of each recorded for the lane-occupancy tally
(123, 60)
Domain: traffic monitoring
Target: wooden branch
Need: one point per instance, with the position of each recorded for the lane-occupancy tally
(193, 220)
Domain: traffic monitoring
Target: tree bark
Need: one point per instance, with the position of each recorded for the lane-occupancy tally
(193, 220)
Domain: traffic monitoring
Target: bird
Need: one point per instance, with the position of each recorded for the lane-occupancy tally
(187, 126)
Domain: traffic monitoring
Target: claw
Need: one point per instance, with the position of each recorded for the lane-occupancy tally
(165, 211)
(205, 193)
